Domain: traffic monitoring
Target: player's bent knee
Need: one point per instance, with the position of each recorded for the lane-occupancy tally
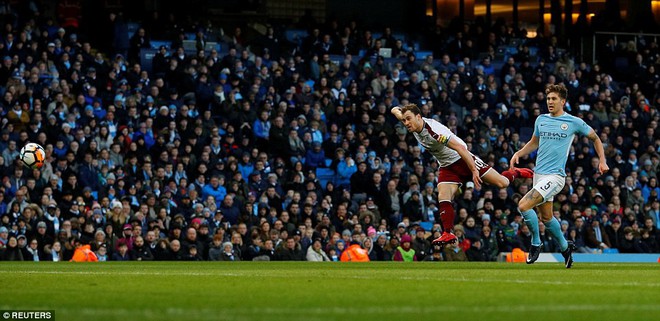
(524, 205)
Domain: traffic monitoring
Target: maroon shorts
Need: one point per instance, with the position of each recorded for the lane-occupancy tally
(458, 172)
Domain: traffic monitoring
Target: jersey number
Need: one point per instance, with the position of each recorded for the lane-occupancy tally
(479, 163)
(546, 186)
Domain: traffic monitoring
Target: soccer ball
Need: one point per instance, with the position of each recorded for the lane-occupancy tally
(33, 155)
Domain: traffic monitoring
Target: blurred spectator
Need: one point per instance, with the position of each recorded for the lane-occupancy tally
(404, 252)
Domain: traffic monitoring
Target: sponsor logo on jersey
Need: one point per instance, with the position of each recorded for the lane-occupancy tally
(552, 135)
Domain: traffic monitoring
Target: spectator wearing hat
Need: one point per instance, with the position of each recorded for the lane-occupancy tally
(315, 157)
(361, 181)
(4, 236)
(228, 253)
(412, 209)
(122, 253)
(405, 252)
(476, 252)
(127, 237)
(278, 137)
(421, 245)
(598, 204)
(256, 183)
(245, 165)
(615, 233)
(42, 236)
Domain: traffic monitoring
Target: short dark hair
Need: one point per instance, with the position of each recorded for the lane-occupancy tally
(411, 108)
(560, 89)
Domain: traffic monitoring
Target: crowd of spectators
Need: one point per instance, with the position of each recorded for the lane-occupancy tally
(214, 155)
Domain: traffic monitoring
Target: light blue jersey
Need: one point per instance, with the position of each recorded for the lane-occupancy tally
(555, 136)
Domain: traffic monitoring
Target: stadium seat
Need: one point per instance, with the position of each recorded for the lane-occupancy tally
(325, 175)
(399, 36)
(338, 59)
(155, 44)
(533, 51)
(295, 35)
(497, 65)
(511, 50)
(146, 58)
(213, 45)
(421, 55)
(621, 63)
(428, 226)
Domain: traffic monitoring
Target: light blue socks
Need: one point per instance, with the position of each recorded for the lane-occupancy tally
(555, 228)
(532, 221)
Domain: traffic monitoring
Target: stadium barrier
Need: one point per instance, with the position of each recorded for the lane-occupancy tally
(591, 258)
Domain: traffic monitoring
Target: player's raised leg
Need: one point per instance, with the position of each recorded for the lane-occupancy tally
(492, 177)
(515, 172)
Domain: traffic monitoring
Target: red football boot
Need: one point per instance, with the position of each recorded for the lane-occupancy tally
(445, 238)
(524, 172)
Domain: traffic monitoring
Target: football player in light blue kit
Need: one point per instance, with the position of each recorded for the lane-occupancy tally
(553, 136)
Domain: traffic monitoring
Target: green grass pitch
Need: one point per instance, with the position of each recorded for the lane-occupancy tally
(333, 291)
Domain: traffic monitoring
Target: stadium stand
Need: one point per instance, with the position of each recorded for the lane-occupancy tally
(259, 135)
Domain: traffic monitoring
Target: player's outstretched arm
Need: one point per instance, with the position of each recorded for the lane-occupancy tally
(456, 145)
(598, 145)
(396, 111)
(531, 146)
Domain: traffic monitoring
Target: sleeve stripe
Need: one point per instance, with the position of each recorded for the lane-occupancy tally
(430, 130)
(440, 138)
